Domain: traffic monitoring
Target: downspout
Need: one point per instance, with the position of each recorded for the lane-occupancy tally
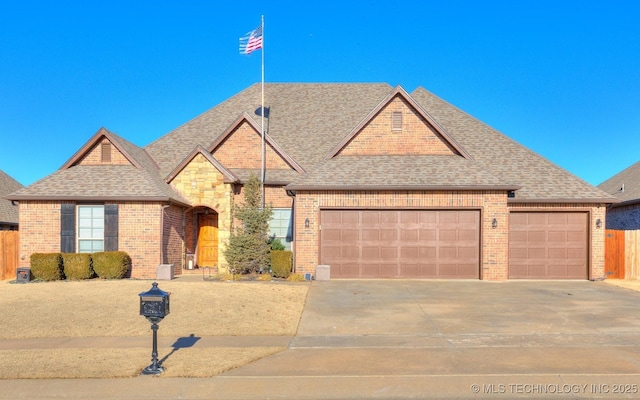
(292, 194)
(162, 230)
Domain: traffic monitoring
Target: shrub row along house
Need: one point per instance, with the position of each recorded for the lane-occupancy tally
(366, 178)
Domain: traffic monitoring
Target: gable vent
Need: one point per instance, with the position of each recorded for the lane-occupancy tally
(396, 121)
(105, 148)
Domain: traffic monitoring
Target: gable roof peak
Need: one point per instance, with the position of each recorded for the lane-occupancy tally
(229, 177)
(399, 91)
(120, 143)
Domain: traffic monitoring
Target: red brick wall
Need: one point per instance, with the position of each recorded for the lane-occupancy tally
(277, 197)
(243, 149)
(94, 156)
(173, 240)
(625, 218)
(417, 137)
(39, 229)
(138, 235)
(494, 242)
(274, 195)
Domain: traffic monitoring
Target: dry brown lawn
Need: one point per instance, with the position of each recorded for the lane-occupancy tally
(99, 308)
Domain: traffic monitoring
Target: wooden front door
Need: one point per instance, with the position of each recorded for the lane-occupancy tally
(207, 240)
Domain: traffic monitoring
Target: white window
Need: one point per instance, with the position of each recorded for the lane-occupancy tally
(90, 229)
(280, 226)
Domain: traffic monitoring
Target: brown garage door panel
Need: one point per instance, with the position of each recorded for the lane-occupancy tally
(401, 243)
(548, 245)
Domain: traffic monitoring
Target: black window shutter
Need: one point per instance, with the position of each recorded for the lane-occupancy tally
(110, 227)
(68, 228)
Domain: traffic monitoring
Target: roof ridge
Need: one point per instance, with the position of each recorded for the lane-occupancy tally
(201, 114)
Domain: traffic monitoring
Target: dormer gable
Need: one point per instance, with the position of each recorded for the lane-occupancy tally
(240, 147)
(202, 155)
(103, 148)
(398, 125)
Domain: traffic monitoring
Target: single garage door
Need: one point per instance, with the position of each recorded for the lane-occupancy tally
(548, 245)
(401, 243)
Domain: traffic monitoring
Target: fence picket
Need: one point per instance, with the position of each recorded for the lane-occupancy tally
(9, 249)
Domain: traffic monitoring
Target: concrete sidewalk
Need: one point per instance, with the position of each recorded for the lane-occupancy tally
(417, 339)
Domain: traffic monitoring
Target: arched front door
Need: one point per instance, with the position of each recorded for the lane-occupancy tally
(207, 240)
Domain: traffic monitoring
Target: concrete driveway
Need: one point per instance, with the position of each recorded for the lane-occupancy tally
(421, 340)
(462, 339)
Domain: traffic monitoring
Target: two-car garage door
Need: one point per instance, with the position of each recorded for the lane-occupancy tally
(401, 243)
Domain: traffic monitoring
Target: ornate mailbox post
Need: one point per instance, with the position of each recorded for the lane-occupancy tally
(154, 305)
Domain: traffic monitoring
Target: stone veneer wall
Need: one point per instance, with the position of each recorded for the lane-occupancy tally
(204, 185)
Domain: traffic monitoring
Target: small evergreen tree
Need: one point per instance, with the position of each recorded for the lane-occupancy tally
(248, 249)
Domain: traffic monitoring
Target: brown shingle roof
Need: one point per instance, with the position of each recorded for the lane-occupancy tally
(541, 180)
(625, 185)
(308, 121)
(400, 172)
(8, 212)
(139, 181)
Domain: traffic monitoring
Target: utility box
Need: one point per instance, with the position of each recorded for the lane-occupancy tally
(164, 272)
(323, 272)
(23, 275)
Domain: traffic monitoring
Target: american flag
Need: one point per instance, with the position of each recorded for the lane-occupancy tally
(251, 41)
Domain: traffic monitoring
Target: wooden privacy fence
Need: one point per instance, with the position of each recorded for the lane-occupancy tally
(9, 248)
(622, 254)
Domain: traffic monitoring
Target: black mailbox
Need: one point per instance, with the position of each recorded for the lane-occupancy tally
(154, 304)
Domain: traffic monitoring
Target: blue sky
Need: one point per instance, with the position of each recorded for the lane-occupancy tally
(560, 77)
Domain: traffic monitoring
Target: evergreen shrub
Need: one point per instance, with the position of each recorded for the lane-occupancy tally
(281, 263)
(47, 266)
(77, 265)
(111, 264)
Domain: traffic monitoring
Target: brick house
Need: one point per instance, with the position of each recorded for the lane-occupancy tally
(8, 211)
(366, 178)
(625, 186)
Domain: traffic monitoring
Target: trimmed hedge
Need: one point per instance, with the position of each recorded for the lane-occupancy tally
(77, 265)
(111, 264)
(281, 263)
(47, 266)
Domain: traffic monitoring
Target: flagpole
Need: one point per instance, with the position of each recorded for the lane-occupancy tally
(263, 174)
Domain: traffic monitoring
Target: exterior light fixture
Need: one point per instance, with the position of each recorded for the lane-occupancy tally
(306, 223)
(494, 223)
(598, 223)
